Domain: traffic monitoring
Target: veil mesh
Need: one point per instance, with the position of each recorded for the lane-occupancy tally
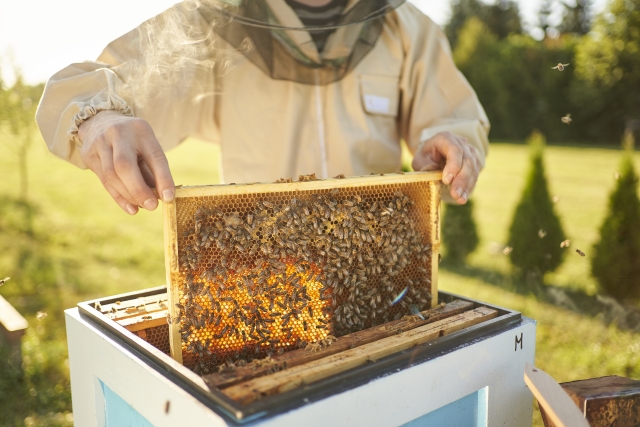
(279, 46)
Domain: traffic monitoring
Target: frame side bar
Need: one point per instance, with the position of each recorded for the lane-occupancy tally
(172, 269)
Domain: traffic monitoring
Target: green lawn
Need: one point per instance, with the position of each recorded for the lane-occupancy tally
(81, 245)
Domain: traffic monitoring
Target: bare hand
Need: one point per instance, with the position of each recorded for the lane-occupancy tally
(128, 159)
(460, 163)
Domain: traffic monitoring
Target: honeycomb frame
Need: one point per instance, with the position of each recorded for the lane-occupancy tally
(320, 296)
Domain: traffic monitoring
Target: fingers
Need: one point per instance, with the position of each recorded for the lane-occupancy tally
(96, 166)
(125, 163)
(461, 161)
(465, 181)
(127, 158)
(157, 162)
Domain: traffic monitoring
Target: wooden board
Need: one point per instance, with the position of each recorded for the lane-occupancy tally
(139, 313)
(320, 184)
(297, 376)
(605, 401)
(557, 404)
(357, 339)
(172, 271)
(436, 206)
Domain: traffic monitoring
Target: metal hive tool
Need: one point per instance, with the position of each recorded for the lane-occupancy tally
(259, 269)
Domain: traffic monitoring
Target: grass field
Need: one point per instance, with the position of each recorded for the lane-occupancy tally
(80, 245)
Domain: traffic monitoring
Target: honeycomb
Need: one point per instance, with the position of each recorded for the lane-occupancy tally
(266, 272)
(157, 336)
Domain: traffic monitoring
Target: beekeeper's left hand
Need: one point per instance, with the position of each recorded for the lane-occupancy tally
(460, 163)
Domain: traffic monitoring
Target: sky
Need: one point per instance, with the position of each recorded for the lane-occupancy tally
(41, 37)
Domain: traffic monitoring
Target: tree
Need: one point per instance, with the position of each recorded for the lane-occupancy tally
(536, 232)
(459, 233)
(616, 259)
(576, 19)
(608, 60)
(543, 16)
(18, 114)
(501, 19)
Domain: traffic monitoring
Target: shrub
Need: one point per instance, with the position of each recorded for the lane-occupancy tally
(616, 259)
(536, 232)
(459, 233)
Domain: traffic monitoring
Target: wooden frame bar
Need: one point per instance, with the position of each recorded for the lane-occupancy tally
(357, 339)
(291, 378)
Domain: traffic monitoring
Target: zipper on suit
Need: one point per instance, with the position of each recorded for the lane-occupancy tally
(324, 168)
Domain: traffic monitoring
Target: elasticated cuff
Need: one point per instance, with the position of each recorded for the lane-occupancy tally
(113, 102)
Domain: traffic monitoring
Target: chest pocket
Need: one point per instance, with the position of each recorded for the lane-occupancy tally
(380, 96)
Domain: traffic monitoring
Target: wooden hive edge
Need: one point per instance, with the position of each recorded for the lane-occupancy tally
(325, 184)
(172, 271)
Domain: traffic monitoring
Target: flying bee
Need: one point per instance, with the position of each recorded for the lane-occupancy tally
(565, 243)
(566, 119)
(541, 233)
(507, 250)
(560, 66)
(579, 252)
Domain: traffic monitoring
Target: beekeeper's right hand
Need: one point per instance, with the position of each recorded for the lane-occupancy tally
(127, 158)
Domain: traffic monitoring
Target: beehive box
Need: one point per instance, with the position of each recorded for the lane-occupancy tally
(260, 269)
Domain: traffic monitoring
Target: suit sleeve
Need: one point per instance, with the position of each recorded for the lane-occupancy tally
(137, 76)
(436, 97)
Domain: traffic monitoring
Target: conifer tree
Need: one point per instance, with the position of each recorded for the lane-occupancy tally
(616, 257)
(459, 233)
(536, 232)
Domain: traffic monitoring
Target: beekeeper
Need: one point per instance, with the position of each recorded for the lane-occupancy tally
(286, 87)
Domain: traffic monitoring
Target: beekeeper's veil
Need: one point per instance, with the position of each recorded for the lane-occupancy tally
(272, 36)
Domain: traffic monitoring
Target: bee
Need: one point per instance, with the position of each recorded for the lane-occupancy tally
(340, 176)
(565, 243)
(3, 281)
(146, 317)
(579, 252)
(507, 250)
(566, 119)
(167, 407)
(41, 315)
(541, 233)
(560, 66)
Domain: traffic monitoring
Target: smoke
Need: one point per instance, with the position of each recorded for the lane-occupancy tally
(178, 53)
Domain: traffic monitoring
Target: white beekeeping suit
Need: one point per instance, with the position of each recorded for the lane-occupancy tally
(254, 81)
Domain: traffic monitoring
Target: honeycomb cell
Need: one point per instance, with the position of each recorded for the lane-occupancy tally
(277, 270)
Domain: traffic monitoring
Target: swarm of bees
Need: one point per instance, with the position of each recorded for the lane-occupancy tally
(290, 271)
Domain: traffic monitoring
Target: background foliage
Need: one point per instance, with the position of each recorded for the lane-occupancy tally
(536, 233)
(615, 262)
(511, 71)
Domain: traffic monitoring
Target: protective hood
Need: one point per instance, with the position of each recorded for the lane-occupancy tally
(272, 36)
